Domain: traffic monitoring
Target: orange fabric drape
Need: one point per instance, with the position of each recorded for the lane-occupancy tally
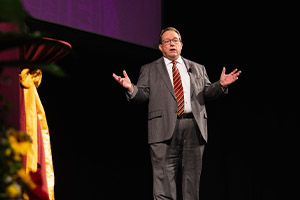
(34, 113)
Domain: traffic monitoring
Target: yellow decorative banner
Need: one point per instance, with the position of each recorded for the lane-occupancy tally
(34, 111)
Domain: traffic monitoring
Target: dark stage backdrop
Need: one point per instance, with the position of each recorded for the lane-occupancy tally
(99, 140)
(253, 150)
(131, 20)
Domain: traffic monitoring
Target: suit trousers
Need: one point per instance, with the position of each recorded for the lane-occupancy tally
(177, 163)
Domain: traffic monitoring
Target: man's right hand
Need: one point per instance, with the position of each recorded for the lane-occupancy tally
(124, 82)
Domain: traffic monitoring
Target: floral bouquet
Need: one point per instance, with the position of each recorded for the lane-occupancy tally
(15, 183)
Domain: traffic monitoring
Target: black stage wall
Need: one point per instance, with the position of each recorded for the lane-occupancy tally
(99, 140)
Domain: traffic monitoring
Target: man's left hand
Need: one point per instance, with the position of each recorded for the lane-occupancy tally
(227, 79)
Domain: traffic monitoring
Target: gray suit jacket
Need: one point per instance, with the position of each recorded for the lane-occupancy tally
(154, 86)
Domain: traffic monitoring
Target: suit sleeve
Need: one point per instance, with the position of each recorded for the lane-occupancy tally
(141, 89)
(212, 90)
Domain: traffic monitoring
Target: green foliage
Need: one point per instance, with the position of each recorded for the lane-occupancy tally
(12, 11)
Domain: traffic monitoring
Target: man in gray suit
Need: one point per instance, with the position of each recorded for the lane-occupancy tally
(176, 136)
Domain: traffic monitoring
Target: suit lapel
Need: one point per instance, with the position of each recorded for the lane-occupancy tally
(189, 65)
(162, 68)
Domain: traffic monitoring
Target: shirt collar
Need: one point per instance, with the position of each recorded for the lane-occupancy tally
(178, 60)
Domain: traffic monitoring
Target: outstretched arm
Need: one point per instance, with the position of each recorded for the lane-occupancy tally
(212, 91)
(124, 82)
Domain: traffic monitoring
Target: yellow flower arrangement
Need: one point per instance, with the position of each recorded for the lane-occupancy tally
(20, 148)
(15, 183)
(13, 190)
(26, 178)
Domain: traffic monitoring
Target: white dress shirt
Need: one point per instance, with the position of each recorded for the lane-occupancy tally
(185, 79)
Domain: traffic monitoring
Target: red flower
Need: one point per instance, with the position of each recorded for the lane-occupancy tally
(38, 193)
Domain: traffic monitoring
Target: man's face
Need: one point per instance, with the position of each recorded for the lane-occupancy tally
(171, 45)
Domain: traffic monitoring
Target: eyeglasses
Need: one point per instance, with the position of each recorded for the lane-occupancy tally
(175, 41)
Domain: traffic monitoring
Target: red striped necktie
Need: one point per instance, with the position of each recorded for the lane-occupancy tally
(178, 89)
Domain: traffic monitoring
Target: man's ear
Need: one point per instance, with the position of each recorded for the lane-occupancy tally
(160, 47)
